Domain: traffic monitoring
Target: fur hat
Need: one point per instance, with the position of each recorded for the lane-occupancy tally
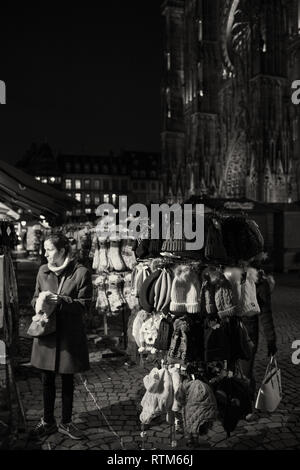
(161, 399)
(185, 292)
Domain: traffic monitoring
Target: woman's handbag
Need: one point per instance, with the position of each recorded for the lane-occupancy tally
(45, 324)
(270, 393)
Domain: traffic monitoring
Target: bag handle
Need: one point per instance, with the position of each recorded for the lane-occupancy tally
(271, 362)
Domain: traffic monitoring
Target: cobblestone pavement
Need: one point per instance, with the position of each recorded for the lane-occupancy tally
(118, 390)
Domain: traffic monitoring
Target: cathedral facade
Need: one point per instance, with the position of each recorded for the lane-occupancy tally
(229, 127)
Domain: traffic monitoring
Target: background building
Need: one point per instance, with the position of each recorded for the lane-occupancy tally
(92, 180)
(229, 127)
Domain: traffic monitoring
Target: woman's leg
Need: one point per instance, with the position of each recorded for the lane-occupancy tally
(67, 397)
(49, 392)
(248, 366)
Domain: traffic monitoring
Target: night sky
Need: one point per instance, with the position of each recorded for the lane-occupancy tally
(86, 79)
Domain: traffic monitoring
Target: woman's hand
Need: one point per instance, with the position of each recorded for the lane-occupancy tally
(54, 299)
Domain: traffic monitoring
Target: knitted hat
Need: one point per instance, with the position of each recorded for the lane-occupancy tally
(42, 304)
(139, 275)
(217, 343)
(160, 401)
(140, 318)
(234, 276)
(214, 246)
(146, 295)
(185, 292)
(142, 249)
(164, 335)
(162, 291)
(242, 238)
(224, 299)
(249, 305)
(171, 243)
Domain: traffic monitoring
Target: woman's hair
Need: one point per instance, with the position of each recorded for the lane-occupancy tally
(59, 241)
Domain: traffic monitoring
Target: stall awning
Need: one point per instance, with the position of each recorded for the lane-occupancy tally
(229, 205)
(20, 190)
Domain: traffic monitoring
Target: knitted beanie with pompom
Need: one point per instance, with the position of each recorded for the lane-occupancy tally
(185, 292)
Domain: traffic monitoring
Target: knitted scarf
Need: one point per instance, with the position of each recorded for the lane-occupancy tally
(59, 269)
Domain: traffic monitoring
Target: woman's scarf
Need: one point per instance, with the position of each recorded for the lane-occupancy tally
(59, 269)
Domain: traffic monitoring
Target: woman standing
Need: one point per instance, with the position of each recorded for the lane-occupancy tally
(65, 351)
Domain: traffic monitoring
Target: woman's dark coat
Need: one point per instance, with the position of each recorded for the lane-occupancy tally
(66, 350)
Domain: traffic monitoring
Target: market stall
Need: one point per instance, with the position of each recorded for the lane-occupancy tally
(189, 321)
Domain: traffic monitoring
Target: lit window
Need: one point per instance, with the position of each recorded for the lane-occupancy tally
(88, 210)
(78, 197)
(87, 199)
(38, 178)
(168, 97)
(58, 179)
(52, 179)
(78, 212)
(68, 184)
(68, 213)
(168, 60)
(77, 184)
(106, 198)
(87, 183)
(45, 181)
(200, 30)
(97, 200)
(96, 184)
(114, 198)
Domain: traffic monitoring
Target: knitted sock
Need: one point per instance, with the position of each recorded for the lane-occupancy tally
(114, 293)
(102, 301)
(127, 253)
(95, 260)
(114, 255)
(127, 291)
(103, 264)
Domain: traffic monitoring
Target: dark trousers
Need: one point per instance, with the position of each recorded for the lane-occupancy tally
(252, 325)
(49, 394)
